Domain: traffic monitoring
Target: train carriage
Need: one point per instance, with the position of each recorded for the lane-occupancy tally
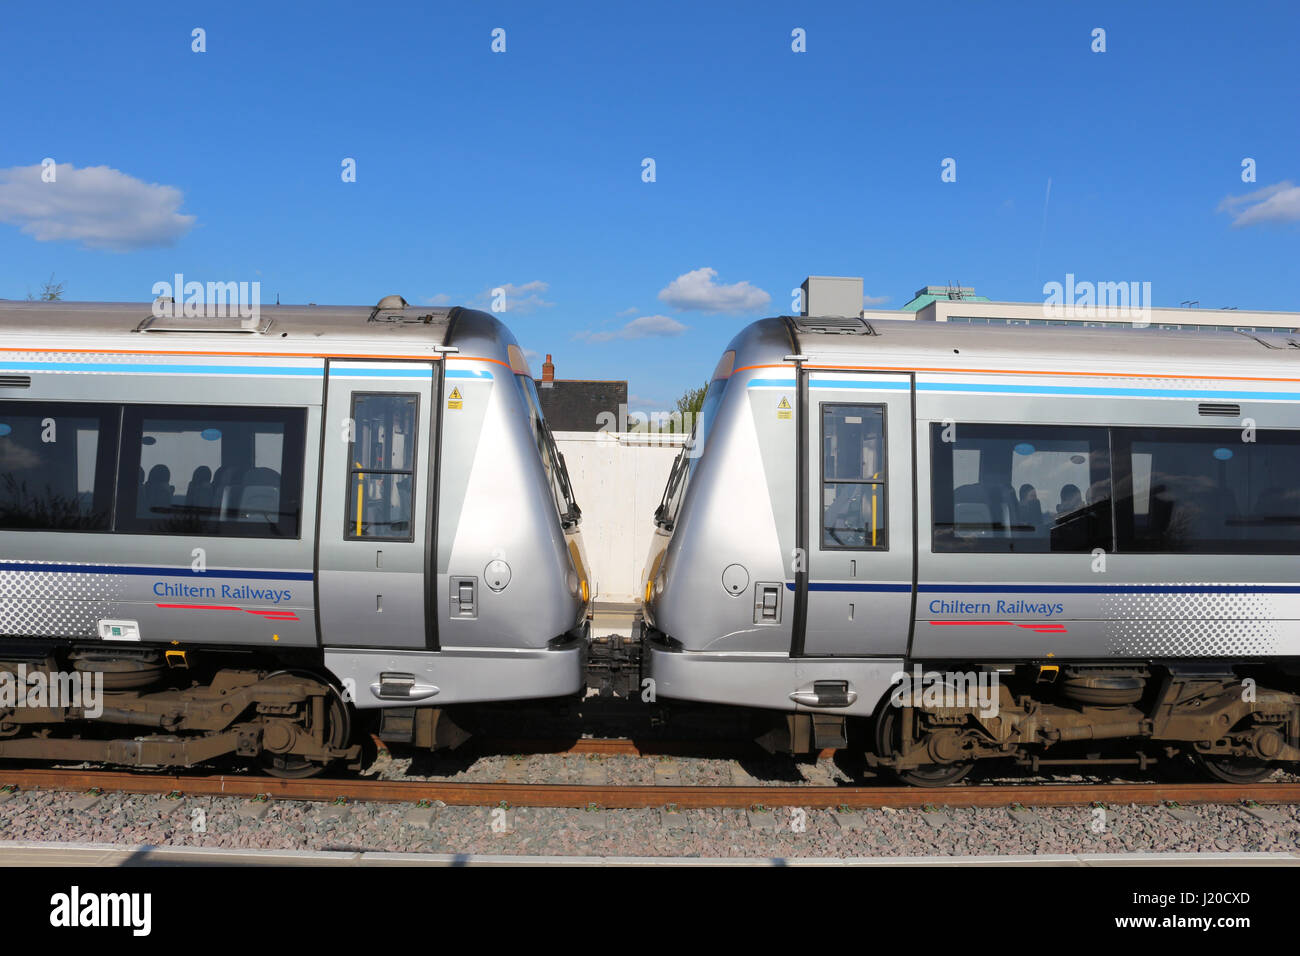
(251, 530)
(1046, 544)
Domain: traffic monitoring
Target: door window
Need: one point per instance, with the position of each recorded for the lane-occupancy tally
(853, 478)
(381, 467)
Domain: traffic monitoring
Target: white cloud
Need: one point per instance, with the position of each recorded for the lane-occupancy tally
(441, 298)
(520, 299)
(100, 207)
(645, 327)
(626, 312)
(696, 290)
(1277, 203)
(871, 301)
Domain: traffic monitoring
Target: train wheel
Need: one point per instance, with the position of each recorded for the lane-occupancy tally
(337, 733)
(1227, 769)
(928, 775)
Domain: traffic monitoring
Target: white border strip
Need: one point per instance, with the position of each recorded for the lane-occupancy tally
(51, 853)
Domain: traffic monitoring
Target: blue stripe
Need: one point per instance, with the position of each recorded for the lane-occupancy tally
(133, 369)
(994, 389)
(830, 383)
(848, 383)
(1098, 390)
(381, 372)
(125, 368)
(1056, 588)
(153, 572)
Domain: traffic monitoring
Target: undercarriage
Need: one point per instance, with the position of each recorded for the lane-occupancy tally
(155, 707)
(1236, 723)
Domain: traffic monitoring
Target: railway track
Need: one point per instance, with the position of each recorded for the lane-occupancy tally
(632, 797)
(623, 747)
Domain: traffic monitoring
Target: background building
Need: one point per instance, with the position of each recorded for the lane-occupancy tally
(1080, 302)
(575, 405)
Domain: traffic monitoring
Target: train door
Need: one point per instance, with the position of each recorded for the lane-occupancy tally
(375, 521)
(858, 525)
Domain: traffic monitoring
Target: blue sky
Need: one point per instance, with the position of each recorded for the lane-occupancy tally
(523, 169)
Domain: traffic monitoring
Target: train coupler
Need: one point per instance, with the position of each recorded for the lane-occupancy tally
(614, 666)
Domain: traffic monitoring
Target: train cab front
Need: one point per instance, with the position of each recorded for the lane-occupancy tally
(669, 596)
(506, 590)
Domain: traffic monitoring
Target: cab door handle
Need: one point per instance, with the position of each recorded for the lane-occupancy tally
(826, 693)
(401, 687)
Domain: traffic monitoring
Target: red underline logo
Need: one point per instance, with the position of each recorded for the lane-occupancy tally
(1044, 627)
(269, 614)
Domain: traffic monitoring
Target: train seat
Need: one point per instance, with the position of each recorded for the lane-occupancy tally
(158, 491)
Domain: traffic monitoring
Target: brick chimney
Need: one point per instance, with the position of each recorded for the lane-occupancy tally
(548, 372)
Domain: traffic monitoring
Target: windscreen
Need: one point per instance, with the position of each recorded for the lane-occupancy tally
(688, 459)
(557, 475)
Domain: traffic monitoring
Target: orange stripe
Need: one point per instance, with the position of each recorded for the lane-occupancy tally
(475, 358)
(326, 355)
(1008, 371)
(306, 355)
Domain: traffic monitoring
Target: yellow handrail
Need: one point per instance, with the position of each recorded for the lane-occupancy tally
(361, 485)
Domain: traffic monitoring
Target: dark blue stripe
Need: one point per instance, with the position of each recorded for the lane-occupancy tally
(154, 572)
(1113, 588)
(852, 586)
(1058, 588)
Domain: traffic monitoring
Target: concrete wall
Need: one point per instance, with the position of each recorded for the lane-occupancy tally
(618, 480)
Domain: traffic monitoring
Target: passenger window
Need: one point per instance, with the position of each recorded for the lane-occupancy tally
(1205, 490)
(1021, 488)
(56, 465)
(381, 476)
(230, 471)
(853, 477)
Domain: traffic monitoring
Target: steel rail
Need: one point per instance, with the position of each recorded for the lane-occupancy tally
(630, 797)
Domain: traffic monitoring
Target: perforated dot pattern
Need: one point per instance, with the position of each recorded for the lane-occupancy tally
(1192, 625)
(56, 604)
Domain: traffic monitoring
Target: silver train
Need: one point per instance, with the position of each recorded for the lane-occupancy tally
(1044, 545)
(1050, 545)
(251, 531)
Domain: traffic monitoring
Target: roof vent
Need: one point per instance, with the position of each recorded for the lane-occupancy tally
(390, 310)
(830, 325)
(160, 321)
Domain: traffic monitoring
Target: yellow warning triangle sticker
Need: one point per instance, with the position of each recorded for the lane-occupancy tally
(455, 394)
(784, 403)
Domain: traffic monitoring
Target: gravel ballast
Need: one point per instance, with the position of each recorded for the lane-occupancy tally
(127, 819)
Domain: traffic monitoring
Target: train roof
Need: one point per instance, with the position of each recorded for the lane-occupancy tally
(941, 346)
(278, 328)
